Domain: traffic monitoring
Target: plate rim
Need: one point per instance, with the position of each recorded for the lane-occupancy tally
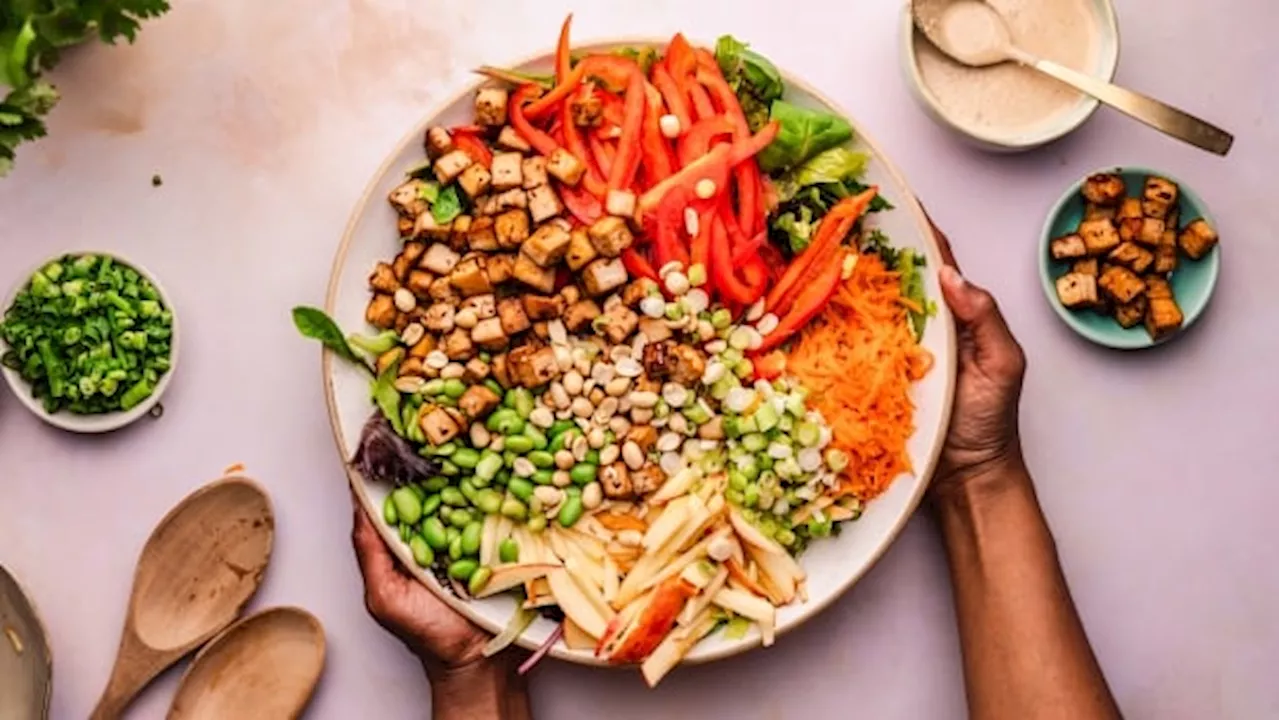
(909, 204)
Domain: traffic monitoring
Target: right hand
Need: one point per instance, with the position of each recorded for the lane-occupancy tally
(983, 439)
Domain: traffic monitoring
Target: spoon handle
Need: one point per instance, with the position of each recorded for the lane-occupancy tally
(1165, 118)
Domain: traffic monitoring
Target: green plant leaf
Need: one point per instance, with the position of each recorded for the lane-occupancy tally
(315, 324)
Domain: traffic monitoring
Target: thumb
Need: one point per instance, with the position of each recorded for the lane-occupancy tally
(977, 315)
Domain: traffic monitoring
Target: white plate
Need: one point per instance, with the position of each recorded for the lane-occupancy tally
(833, 565)
(101, 422)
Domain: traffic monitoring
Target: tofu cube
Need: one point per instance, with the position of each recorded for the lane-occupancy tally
(563, 166)
(1129, 208)
(510, 139)
(654, 329)
(500, 268)
(1103, 189)
(1100, 212)
(534, 170)
(512, 316)
(1099, 236)
(488, 334)
(439, 318)
(441, 289)
(1134, 257)
(1067, 247)
(438, 425)
(544, 203)
(383, 279)
(439, 259)
(484, 306)
(1129, 229)
(419, 283)
(424, 346)
(425, 227)
(404, 226)
(482, 236)
(1132, 312)
(530, 273)
(603, 276)
(1166, 253)
(469, 278)
(475, 371)
(475, 180)
(408, 258)
(381, 312)
(1163, 317)
(619, 322)
(1087, 266)
(450, 165)
(610, 236)
(1077, 290)
(578, 316)
(1158, 197)
(547, 246)
(457, 344)
(542, 307)
(570, 294)
(491, 106)
(532, 366)
(483, 205)
(478, 401)
(508, 200)
(460, 231)
(506, 170)
(513, 228)
(637, 290)
(1197, 239)
(437, 142)
(1171, 220)
(621, 203)
(1158, 287)
(407, 199)
(1150, 232)
(1120, 284)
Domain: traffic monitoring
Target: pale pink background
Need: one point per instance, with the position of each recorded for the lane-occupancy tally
(1158, 469)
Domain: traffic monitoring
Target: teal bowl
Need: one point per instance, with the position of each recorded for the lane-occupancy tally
(1192, 282)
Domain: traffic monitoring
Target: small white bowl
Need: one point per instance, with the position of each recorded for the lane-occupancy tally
(102, 422)
(1105, 62)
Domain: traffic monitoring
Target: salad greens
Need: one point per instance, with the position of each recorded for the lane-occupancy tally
(315, 324)
(89, 334)
(387, 396)
(807, 192)
(753, 78)
(909, 264)
(802, 133)
(33, 34)
(445, 203)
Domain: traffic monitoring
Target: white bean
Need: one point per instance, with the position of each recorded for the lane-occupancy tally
(522, 467)
(675, 394)
(561, 478)
(595, 438)
(549, 496)
(564, 459)
(542, 417)
(609, 454)
(592, 495)
(480, 435)
(629, 367)
(643, 399)
(617, 387)
(404, 300)
(668, 442)
(412, 333)
(436, 359)
(632, 455)
(582, 407)
(453, 371)
(572, 382)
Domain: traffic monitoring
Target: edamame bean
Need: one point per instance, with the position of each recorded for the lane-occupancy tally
(559, 441)
(734, 496)
(513, 509)
(573, 491)
(389, 514)
(433, 387)
(561, 426)
(538, 523)
(436, 483)
(462, 570)
(737, 480)
(592, 457)
(519, 444)
(406, 531)
(819, 528)
(785, 536)
(489, 501)
(460, 518)
(521, 401)
(534, 434)
(446, 449)
(468, 490)
(509, 551)
(751, 496)
(502, 477)
(465, 458)
(542, 459)
(448, 469)
(430, 505)
(471, 538)
(418, 491)
(512, 425)
(434, 533)
(422, 553)
(408, 506)
(494, 386)
(500, 418)
(453, 497)
(570, 511)
(478, 580)
(455, 548)
(582, 473)
(454, 388)
(489, 464)
(543, 477)
(521, 488)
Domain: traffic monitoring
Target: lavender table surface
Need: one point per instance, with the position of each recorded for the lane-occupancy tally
(1158, 469)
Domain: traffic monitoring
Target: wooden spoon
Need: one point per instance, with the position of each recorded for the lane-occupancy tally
(26, 665)
(264, 667)
(198, 569)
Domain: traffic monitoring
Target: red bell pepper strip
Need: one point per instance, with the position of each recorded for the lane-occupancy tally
(628, 159)
(637, 266)
(713, 166)
(602, 153)
(671, 95)
(697, 141)
(474, 147)
(680, 58)
(750, 213)
(668, 221)
(812, 299)
(722, 270)
(563, 61)
(700, 244)
(702, 107)
(592, 179)
(581, 204)
(824, 246)
(612, 70)
(656, 152)
(747, 263)
(723, 96)
(744, 149)
(552, 99)
(542, 142)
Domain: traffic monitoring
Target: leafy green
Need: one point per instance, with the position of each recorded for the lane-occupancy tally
(753, 78)
(375, 345)
(644, 56)
(314, 323)
(909, 266)
(83, 329)
(447, 205)
(387, 396)
(807, 192)
(518, 77)
(832, 166)
(802, 133)
(33, 34)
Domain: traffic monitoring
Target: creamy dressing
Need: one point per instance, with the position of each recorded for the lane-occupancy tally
(1009, 99)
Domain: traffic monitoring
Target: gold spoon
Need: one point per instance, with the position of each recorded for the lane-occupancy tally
(264, 667)
(200, 566)
(973, 33)
(26, 665)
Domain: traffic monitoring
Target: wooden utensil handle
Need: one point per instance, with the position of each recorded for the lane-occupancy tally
(136, 665)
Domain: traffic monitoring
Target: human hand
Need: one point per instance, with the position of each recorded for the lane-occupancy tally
(449, 646)
(983, 438)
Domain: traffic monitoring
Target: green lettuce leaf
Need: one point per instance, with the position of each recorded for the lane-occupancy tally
(447, 205)
(802, 133)
(754, 79)
(387, 396)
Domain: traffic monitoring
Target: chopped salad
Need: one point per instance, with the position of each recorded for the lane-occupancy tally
(638, 348)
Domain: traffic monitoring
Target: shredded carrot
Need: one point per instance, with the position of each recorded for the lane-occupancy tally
(858, 359)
